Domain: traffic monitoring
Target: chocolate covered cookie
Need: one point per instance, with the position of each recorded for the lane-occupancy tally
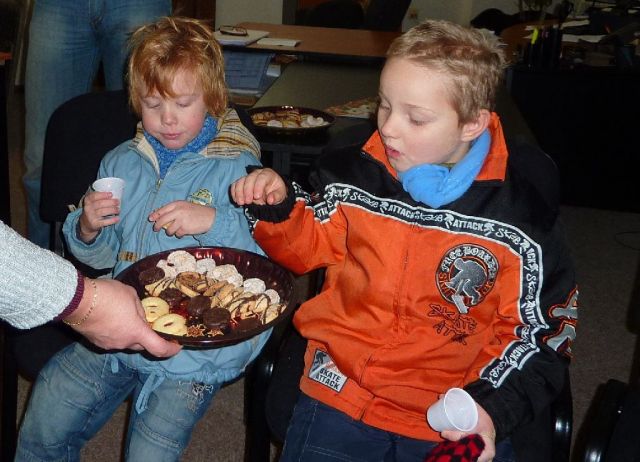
(150, 275)
(216, 318)
(197, 305)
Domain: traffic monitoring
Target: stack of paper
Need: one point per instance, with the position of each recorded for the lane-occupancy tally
(240, 40)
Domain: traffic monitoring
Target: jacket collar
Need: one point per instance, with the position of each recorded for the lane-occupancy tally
(231, 141)
(494, 167)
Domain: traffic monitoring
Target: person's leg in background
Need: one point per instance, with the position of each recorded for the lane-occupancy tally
(62, 61)
(67, 41)
(120, 19)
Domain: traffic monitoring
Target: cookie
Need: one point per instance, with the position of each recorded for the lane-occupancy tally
(154, 307)
(216, 318)
(172, 296)
(171, 323)
(198, 305)
(150, 275)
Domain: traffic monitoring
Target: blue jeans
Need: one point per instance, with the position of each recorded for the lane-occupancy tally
(67, 41)
(319, 433)
(77, 392)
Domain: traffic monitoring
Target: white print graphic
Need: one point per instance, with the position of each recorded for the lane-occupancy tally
(324, 371)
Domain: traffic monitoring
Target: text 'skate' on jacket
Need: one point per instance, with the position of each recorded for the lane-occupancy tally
(479, 293)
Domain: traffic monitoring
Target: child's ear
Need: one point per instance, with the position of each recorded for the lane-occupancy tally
(472, 130)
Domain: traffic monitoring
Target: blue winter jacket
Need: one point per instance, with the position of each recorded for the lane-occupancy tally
(203, 177)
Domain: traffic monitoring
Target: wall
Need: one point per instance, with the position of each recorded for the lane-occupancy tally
(235, 11)
(459, 11)
(271, 11)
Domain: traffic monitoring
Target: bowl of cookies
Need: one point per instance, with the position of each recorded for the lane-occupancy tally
(209, 297)
(290, 120)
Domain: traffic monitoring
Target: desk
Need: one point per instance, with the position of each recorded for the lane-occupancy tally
(336, 44)
(5, 202)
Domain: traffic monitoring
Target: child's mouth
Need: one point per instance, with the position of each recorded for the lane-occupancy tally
(391, 153)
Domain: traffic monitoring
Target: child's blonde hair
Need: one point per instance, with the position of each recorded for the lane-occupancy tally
(474, 61)
(172, 44)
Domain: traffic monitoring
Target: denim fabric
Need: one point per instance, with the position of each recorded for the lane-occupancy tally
(67, 41)
(78, 391)
(319, 433)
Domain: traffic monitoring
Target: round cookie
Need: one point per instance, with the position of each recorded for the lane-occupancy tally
(216, 318)
(172, 296)
(198, 305)
(154, 307)
(150, 275)
(171, 323)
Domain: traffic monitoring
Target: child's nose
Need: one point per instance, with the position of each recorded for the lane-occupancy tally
(388, 127)
(168, 117)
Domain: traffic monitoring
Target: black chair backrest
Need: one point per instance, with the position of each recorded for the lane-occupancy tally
(80, 132)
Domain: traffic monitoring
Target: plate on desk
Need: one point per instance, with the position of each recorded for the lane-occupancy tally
(191, 304)
(290, 120)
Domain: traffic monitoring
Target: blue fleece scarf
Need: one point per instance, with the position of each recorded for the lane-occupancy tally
(436, 185)
(166, 157)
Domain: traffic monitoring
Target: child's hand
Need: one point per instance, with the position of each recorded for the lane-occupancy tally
(181, 218)
(98, 210)
(484, 428)
(260, 187)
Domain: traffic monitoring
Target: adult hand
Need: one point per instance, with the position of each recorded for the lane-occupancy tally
(181, 218)
(117, 320)
(260, 187)
(484, 428)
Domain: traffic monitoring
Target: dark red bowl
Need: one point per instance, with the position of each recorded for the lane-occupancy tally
(248, 264)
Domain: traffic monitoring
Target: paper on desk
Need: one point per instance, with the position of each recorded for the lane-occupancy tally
(582, 22)
(240, 40)
(584, 38)
(278, 42)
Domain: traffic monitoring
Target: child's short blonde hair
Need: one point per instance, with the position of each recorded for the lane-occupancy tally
(172, 44)
(473, 59)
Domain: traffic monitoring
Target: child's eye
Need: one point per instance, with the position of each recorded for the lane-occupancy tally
(416, 122)
(184, 104)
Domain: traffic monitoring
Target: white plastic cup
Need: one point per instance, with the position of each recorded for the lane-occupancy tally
(456, 410)
(110, 184)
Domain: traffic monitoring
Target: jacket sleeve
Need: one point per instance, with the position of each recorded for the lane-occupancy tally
(313, 236)
(102, 252)
(521, 384)
(35, 285)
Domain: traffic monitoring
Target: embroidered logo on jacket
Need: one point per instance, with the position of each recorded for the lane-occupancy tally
(324, 371)
(466, 274)
(201, 197)
(568, 312)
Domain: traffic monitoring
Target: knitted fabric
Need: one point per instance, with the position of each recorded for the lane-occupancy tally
(166, 157)
(467, 449)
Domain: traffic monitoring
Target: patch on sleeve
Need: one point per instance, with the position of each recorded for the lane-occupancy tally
(324, 371)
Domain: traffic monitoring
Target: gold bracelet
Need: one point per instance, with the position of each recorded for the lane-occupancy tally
(91, 307)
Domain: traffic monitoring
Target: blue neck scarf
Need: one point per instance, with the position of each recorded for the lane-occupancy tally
(436, 185)
(166, 157)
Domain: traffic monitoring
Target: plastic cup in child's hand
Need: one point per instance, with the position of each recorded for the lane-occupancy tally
(456, 410)
(110, 184)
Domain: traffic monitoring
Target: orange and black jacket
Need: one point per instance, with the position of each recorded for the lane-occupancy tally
(479, 293)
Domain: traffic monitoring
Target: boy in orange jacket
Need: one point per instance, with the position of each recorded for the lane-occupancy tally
(445, 263)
